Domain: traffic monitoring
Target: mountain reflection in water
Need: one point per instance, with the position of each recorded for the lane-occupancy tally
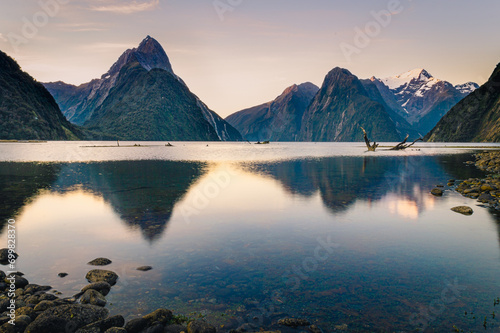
(144, 193)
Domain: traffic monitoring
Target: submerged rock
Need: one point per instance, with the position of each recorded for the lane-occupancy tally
(4, 256)
(116, 330)
(103, 325)
(102, 286)
(437, 192)
(200, 326)
(485, 198)
(294, 322)
(315, 329)
(18, 281)
(175, 328)
(100, 262)
(136, 325)
(93, 297)
(144, 268)
(98, 275)
(162, 316)
(465, 210)
(74, 315)
(48, 324)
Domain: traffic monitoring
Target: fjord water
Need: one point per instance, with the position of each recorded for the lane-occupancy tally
(241, 233)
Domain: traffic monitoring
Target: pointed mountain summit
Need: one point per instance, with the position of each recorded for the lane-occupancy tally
(278, 120)
(27, 110)
(341, 107)
(150, 54)
(140, 98)
(476, 118)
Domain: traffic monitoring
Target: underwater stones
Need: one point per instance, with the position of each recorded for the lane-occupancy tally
(103, 325)
(200, 326)
(162, 316)
(294, 322)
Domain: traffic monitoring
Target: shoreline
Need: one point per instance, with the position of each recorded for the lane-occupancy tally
(34, 308)
(486, 190)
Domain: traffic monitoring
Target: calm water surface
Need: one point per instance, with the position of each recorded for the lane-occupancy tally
(350, 240)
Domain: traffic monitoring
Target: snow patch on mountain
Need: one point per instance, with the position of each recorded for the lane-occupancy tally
(404, 79)
(467, 88)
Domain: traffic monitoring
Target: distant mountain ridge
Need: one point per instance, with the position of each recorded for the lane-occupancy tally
(141, 98)
(341, 107)
(278, 120)
(476, 118)
(27, 110)
(420, 98)
(412, 103)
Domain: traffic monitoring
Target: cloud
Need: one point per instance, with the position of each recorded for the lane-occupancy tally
(2, 38)
(128, 7)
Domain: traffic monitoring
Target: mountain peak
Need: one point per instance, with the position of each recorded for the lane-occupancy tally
(150, 54)
(467, 87)
(150, 45)
(337, 71)
(418, 74)
(306, 87)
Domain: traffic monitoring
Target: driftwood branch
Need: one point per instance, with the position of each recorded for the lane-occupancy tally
(403, 145)
(400, 146)
(367, 141)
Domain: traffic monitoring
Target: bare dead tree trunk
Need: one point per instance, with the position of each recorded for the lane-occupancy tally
(403, 145)
(367, 141)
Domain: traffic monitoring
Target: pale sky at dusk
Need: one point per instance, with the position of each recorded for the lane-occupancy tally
(250, 53)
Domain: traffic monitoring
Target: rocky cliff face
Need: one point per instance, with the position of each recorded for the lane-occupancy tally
(278, 120)
(27, 110)
(88, 103)
(476, 118)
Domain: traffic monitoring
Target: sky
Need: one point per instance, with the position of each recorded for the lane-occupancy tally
(236, 54)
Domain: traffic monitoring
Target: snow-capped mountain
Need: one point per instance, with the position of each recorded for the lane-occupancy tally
(421, 98)
(467, 88)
